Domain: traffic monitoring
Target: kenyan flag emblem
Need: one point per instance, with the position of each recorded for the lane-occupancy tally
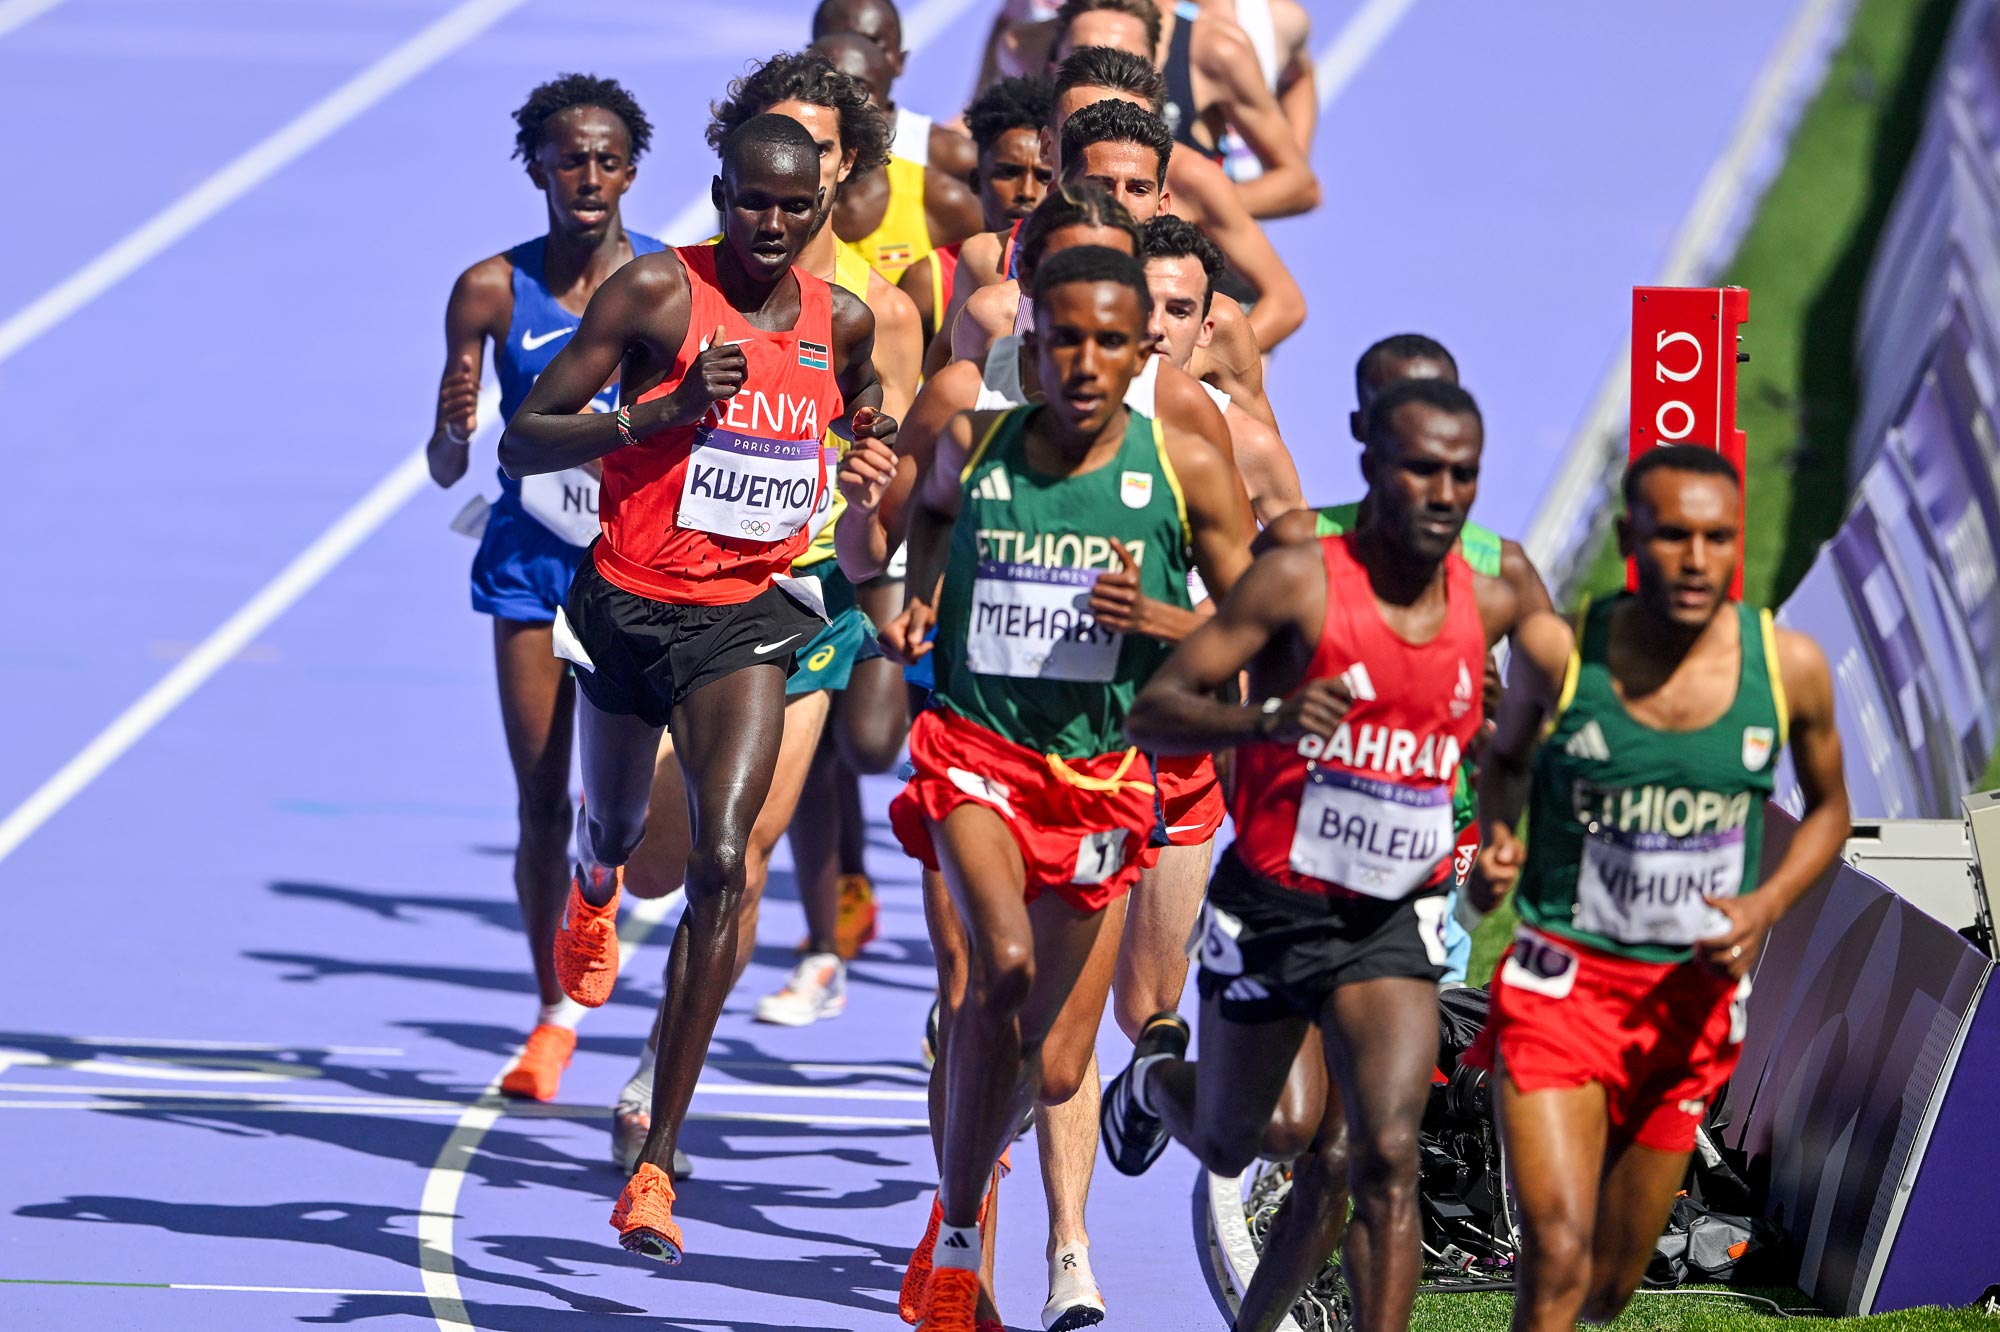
(812, 355)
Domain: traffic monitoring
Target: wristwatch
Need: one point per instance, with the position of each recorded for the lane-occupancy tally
(1267, 715)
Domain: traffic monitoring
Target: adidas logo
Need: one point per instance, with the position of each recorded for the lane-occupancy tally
(1461, 693)
(1588, 743)
(1356, 679)
(994, 486)
(1246, 991)
(954, 1241)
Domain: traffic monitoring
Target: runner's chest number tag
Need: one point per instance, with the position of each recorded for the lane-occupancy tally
(1650, 888)
(564, 502)
(1370, 836)
(1539, 965)
(1216, 943)
(1033, 621)
(750, 488)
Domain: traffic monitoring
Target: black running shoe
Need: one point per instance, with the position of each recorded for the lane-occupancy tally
(1134, 1139)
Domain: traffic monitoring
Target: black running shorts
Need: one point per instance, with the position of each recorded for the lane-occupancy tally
(1269, 952)
(648, 655)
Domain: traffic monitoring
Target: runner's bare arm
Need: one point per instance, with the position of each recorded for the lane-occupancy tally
(1232, 362)
(1298, 81)
(1269, 473)
(1205, 196)
(1542, 645)
(642, 309)
(954, 154)
(867, 534)
(1287, 186)
(951, 209)
(1296, 528)
(915, 283)
(899, 345)
(988, 314)
(1531, 594)
(1218, 522)
(854, 349)
(938, 499)
(481, 307)
(1280, 599)
(1815, 746)
(978, 266)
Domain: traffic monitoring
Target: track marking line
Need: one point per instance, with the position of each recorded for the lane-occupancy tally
(256, 165)
(167, 1070)
(15, 13)
(444, 1102)
(160, 1042)
(398, 1110)
(1355, 44)
(203, 1285)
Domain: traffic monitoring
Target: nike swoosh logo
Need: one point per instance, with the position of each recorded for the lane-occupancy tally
(763, 648)
(530, 341)
(1182, 827)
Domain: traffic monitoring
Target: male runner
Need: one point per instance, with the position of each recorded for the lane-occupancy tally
(1308, 1223)
(1120, 147)
(1214, 85)
(581, 138)
(1006, 123)
(901, 212)
(1067, 529)
(1650, 733)
(1280, 31)
(733, 364)
(1364, 654)
(877, 20)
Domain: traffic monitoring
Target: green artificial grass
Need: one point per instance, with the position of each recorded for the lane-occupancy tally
(1805, 260)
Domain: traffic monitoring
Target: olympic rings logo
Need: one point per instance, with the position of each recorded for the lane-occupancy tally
(755, 526)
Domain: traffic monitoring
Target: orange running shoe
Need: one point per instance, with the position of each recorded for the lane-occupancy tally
(857, 920)
(538, 1072)
(952, 1301)
(587, 944)
(917, 1276)
(644, 1216)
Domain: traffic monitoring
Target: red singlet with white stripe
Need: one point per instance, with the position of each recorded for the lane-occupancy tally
(1369, 810)
(709, 513)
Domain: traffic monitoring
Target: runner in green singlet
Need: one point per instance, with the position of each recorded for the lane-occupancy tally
(1650, 734)
(1050, 546)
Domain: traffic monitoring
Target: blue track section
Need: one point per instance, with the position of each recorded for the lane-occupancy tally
(262, 964)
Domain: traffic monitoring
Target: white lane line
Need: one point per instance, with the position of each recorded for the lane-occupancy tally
(751, 1090)
(263, 160)
(204, 1285)
(1355, 44)
(163, 1043)
(1719, 206)
(14, 13)
(404, 1110)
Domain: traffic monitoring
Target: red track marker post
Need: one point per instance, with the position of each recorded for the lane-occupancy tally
(1684, 355)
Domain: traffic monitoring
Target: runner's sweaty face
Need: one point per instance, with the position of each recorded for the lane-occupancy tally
(770, 204)
(1089, 341)
(1180, 322)
(1129, 172)
(1684, 537)
(1103, 27)
(584, 166)
(835, 161)
(1423, 473)
(1068, 105)
(1012, 178)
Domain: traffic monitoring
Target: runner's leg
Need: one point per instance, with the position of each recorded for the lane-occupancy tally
(1381, 1044)
(1300, 1118)
(815, 841)
(1219, 1106)
(537, 710)
(1633, 1202)
(1306, 1230)
(1152, 960)
(728, 734)
(1555, 1158)
(1066, 1114)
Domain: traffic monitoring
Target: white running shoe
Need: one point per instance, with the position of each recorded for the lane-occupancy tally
(817, 989)
(1074, 1299)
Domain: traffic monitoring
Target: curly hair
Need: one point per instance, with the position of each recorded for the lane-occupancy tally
(1010, 104)
(806, 76)
(565, 91)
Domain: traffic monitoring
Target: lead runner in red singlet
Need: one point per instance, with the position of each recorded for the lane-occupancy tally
(1366, 654)
(733, 364)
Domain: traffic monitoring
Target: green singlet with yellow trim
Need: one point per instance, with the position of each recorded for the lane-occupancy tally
(1477, 546)
(1018, 651)
(1630, 828)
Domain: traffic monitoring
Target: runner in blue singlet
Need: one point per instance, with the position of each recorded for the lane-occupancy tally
(581, 138)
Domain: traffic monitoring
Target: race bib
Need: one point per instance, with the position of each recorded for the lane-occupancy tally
(1539, 965)
(750, 488)
(1370, 836)
(1033, 621)
(1650, 888)
(564, 502)
(1217, 943)
(1099, 855)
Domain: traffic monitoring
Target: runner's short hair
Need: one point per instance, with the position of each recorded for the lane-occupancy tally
(1442, 394)
(1010, 104)
(1145, 11)
(1093, 263)
(1170, 237)
(1120, 71)
(779, 137)
(805, 76)
(1398, 347)
(1116, 121)
(565, 91)
(877, 20)
(1078, 205)
(1695, 458)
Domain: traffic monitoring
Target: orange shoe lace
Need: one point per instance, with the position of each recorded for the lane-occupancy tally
(538, 1072)
(952, 1302)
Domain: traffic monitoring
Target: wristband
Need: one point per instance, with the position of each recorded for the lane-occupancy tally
(1266, 714)
(623, 418)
